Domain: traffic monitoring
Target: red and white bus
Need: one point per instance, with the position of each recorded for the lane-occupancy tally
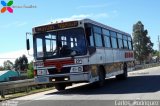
(80, 51)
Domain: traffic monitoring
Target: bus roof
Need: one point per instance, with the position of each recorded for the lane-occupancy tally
(104, 26)
(85, 21)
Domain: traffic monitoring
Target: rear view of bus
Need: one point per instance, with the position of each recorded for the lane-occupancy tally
(80, 51)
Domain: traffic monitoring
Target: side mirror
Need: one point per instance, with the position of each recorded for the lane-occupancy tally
(28, 44)
(91, 50)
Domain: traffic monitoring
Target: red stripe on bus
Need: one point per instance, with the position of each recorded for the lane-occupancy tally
(58, 63)
(128, 55)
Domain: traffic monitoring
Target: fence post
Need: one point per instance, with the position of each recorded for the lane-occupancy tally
(27, 89)
(14, 90)
(2, 94)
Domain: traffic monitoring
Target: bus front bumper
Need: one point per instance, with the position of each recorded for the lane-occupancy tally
(65, 78)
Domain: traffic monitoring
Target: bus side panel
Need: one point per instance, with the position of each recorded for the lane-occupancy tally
(108, 55)
(98, 57)
(94, 61)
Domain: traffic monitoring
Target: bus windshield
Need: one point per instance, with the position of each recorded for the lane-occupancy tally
(62, 43)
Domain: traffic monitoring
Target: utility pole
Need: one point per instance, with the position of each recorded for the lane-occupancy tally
(158, 48)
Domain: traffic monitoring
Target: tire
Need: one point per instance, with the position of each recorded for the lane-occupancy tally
(101, 74)
(124, 75)
(60, 86)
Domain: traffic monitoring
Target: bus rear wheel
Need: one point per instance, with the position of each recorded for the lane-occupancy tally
(125, 73)
(60, 86)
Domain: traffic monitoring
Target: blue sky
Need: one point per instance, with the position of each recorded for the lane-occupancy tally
(120, 14)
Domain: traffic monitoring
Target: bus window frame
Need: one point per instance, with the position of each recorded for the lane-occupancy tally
(99, 33)
(105, 35)
(89, 25)
(130, 40)
(114, 37)
(125, 38)
(121, 39)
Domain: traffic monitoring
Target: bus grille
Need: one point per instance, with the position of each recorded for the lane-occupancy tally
(62, 71)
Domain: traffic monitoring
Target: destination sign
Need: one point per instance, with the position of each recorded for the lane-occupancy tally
(56, 26)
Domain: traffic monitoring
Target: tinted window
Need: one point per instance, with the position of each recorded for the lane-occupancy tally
(114, 42)
(106, 35)
(91, 40)
(130, 45)
(129, 39)
(107, 41)
(98, 39)
(97, 29)
(119, 36)
(73, 41)
(113, 34)
(125, 37)
(89, 34)
(39, 47)
(120, 43)
(125, 44)
(50, 45)
(64, 40)
(105, 32)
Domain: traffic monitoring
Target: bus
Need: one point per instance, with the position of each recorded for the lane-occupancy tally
(80, 51)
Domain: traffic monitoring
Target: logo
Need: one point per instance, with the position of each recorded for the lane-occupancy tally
(6, 6)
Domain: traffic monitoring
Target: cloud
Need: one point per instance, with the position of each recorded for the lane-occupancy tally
(13, 55)
(81, 16)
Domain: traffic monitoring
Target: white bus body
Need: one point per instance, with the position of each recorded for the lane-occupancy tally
(96, 59)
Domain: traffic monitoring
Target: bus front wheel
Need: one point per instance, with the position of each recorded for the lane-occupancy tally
(101, 74)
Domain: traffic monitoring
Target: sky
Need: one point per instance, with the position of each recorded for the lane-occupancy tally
(120, 14)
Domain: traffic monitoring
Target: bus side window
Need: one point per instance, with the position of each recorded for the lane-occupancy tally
(114, 40)
(89, 36)
(98, 40)
(130, 43)
(120, 41)
(98, 36)
(106, 37)
(125, 42)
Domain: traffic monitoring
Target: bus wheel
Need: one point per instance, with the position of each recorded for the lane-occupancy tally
(124, 75)
(60, 86)
(101, 74)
